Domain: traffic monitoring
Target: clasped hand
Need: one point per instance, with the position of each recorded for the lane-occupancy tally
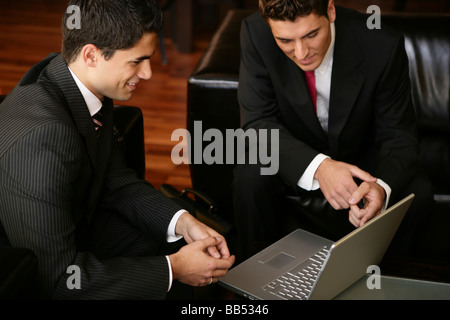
(336, 180)
(205, 258)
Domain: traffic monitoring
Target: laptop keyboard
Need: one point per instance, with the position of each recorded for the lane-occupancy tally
(298, 282)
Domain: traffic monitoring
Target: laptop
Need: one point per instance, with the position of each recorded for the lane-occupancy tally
(305, 266)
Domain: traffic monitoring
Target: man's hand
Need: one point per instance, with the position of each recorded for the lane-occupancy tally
(193, 230)
(373, 195)
(336, 180)
(205, 258)
(192, 264)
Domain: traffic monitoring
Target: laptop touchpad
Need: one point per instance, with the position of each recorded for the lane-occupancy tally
(278, 261)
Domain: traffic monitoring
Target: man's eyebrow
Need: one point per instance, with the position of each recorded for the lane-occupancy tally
(311, 32)
(282, 39)
(305, 36)
(144, 57)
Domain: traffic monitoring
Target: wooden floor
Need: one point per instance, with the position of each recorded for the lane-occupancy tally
(30, 30)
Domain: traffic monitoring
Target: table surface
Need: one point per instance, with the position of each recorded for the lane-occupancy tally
(395, 288)
(400, 279)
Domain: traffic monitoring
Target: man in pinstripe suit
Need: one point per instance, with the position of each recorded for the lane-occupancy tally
(65, 191)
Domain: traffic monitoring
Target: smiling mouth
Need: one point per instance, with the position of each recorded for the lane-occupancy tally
(132, 85)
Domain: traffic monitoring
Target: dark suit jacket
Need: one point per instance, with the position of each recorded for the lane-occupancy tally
(55, 174)
(371, 118)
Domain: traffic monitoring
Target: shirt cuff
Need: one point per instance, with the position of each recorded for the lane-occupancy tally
(170, 274)
(307, 181)
(171, 235)
(388, 191)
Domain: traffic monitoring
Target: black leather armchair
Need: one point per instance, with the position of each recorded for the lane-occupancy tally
(18, 266)
(212, 99)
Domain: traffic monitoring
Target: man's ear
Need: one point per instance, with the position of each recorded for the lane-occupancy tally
(90, 55)
(331, 11)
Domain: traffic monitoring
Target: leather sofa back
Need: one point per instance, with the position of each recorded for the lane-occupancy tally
(212, 97)
(427, 43)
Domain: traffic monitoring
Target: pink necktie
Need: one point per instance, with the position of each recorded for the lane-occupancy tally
(311, 82)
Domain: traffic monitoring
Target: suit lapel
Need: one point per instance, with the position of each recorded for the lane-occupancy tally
(59, 74)
(346, 81)
(298, 96)
(98, 148)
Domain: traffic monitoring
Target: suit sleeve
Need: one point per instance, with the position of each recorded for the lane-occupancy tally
(135, 199)
(259, 105)
(396, 161)
(39, 175)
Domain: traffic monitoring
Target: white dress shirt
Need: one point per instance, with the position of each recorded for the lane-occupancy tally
(94, 104)
(323, 87)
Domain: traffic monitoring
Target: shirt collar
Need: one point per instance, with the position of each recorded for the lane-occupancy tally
(93, 103)
(328, 59)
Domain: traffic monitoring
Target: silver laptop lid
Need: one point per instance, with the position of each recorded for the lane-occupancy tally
(350, 257)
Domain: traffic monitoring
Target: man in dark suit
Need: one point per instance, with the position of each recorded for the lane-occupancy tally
(349, 138)
(65, 191)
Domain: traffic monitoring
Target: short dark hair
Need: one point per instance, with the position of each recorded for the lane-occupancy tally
(110, 25)
(292, 9)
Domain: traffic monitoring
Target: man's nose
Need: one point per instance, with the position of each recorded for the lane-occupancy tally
(145, 71)
(301, 50)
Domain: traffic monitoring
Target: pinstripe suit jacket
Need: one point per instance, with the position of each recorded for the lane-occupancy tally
(55, 173)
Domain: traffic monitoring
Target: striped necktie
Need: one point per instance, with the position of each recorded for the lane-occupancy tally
(98, 120)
